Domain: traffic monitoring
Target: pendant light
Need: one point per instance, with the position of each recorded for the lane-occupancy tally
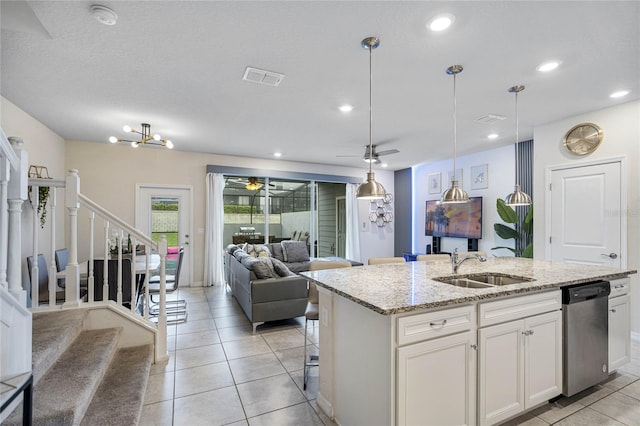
(454, 194)
(370, 190)
(517, 197)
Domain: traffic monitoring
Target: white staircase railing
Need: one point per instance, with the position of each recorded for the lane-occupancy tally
(76, 283)
(15, 319)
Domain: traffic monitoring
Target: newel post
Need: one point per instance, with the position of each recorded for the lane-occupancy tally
(16, 195)
(72, 203)
(161, 343)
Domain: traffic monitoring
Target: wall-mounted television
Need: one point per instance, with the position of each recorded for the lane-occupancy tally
(459, 220)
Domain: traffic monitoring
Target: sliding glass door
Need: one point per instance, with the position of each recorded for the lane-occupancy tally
(262, 209)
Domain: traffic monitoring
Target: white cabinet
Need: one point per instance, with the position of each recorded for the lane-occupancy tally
(520, 361)
(436, 378)
(619, 324)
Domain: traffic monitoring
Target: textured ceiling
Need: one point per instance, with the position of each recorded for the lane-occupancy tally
(179, 65)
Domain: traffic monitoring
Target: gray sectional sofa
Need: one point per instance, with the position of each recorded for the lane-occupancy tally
(264, 281)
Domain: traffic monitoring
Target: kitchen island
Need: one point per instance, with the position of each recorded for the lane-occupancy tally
(397, 346)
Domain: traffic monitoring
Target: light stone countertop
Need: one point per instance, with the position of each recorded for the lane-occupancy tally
(395, 288)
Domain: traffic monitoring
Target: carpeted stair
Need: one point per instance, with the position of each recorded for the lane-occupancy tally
(81, 377)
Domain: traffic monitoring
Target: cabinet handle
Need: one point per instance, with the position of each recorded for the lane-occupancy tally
(433, 324)
(528, 332)
(474, 347)
(613, 311)
(618, 286)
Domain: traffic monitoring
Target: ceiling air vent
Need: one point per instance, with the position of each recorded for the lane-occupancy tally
(490, 118)
(257, 75)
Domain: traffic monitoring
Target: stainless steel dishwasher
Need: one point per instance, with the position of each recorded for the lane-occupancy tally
(585, 338)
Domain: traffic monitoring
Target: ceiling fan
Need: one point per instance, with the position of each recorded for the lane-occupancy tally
(373, 156)
(250, 183)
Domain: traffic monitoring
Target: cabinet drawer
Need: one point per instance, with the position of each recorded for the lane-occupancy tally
(619, 287)
(430, 325)
(519, 307)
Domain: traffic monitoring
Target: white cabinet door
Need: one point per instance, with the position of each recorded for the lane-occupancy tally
(619, 332)
(437, 380)
(543, 358)
(501, 371)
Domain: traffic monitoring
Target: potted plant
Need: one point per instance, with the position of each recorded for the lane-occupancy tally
(519, 232)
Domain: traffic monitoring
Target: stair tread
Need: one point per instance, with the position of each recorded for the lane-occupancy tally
(53, 332)
(63, 394)
(119, 399)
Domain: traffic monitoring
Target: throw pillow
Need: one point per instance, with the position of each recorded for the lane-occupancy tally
(295, 251)
(261, 266)
(257, 250)
(239, 254)
(280, 268)
(276, 251)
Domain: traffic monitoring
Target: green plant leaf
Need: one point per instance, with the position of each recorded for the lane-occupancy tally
(505, 232)
(527, 222)
(506, 213)
(508, 248)
(528, 251)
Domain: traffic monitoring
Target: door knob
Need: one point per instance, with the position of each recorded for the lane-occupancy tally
(610, 255)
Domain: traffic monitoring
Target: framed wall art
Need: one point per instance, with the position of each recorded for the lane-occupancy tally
(434, 182)
(480, 177)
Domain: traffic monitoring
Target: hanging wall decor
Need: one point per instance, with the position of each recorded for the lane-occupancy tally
(381, 211)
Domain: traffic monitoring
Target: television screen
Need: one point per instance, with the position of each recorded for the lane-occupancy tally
(461, 220)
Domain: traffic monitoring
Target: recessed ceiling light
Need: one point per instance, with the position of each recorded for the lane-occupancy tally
(548, 66)
(493, 136)
(346, 108)
(441, 22)
(619, 94)
(384, 165)
(277, 154)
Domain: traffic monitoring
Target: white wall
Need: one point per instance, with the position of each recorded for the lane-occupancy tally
(501, 172)
(45, 148)
(108, 174)
(621, 126)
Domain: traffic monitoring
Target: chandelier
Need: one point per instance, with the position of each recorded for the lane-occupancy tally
(253, 184)
(145, 137)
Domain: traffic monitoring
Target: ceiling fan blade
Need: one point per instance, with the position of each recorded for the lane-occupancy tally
(347, 156)
(387, 152)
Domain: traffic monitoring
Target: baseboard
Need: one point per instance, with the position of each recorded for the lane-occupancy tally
(325, 405)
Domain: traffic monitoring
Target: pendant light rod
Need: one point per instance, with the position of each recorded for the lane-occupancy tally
(370, 43)
(455, 70)
(517, 89)
(517, 197)
(371, 189)
(454, 194)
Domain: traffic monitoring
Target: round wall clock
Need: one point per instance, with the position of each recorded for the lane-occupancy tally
(583, 138)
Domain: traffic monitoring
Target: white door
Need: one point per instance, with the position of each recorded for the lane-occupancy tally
(166, 210)
(586, 215)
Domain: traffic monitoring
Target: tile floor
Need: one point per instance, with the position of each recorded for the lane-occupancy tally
(219, 373)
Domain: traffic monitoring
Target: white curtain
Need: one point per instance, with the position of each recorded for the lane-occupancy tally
(352, 250)
(214, 228)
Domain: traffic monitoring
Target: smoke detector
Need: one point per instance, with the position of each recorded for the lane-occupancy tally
(104, 15)
(259, 76)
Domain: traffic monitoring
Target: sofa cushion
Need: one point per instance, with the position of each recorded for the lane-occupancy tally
(295, 251)
(257, 250)
(261, 266)
(298, 266)
(276, 251)
(239, 254)
(281, 269)
(231, 248)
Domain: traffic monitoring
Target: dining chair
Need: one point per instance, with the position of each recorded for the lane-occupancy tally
(433, 258)
(383, 260)
(311, 312)
(112, 280)
(176, 309)
(43, 281)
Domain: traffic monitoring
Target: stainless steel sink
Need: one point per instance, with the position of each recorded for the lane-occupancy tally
(483, 280)
(463, 282)
(497, 279)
